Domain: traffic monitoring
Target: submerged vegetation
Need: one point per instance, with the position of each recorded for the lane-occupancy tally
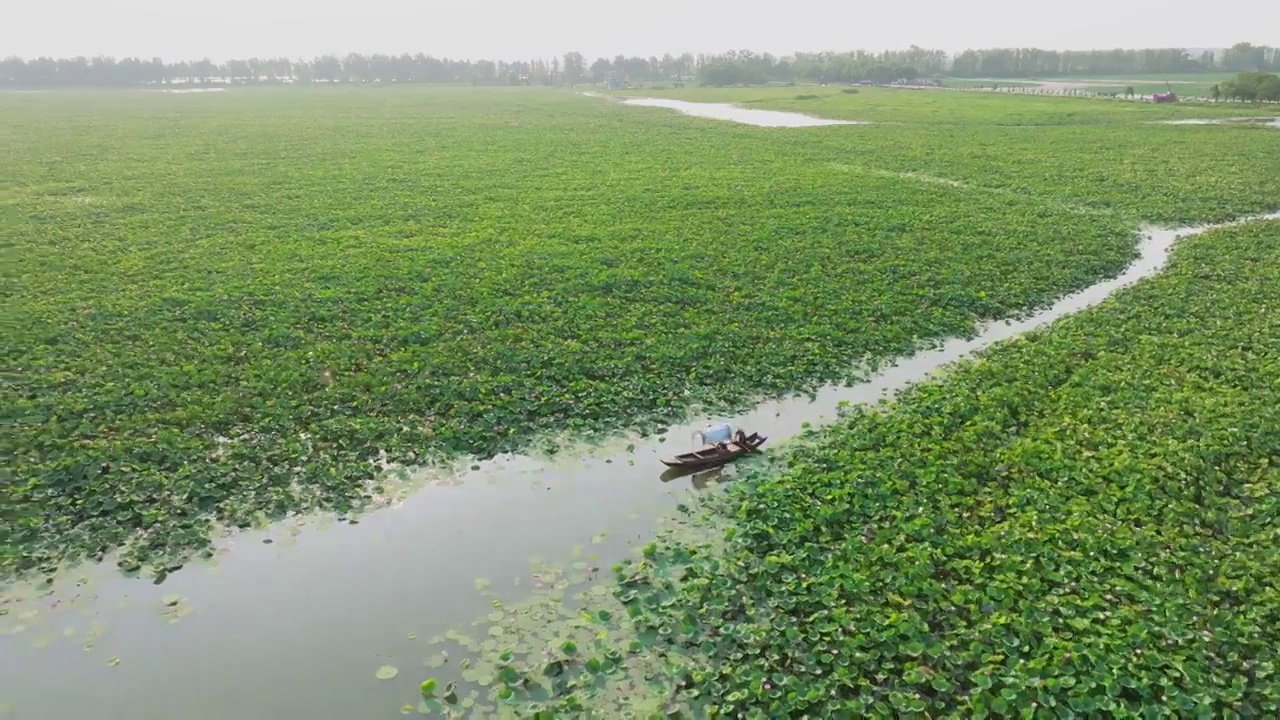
(1080, 522)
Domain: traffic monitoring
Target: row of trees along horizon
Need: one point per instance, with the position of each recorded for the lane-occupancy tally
(731, 68)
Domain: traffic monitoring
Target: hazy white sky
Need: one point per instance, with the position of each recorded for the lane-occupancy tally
(507, 29)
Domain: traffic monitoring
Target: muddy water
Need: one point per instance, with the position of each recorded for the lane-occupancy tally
(733, 113)
(298, 627)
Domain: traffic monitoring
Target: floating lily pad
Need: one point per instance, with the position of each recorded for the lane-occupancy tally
(386, 672)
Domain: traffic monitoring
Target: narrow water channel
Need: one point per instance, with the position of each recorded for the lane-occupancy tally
(297, 627)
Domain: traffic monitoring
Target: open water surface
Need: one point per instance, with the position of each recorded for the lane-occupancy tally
(733, 113)
(1268, 121)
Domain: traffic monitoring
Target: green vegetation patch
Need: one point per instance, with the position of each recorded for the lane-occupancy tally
(952, 107)
(227, 307)
(1080, 522)
(545, 649)
(229, 316)
(1099, 155)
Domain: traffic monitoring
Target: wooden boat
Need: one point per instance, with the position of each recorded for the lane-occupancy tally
(717, 455)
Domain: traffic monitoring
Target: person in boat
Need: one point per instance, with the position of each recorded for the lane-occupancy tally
(719, 436)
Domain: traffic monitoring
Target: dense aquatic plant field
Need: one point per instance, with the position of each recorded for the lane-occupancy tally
(1081, 521)
(1096, 155)
(226, 307)
(944, 107)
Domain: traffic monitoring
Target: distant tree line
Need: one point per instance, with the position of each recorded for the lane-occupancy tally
(731, 68)
(744, 67)
(1031, 62)
(351, 68)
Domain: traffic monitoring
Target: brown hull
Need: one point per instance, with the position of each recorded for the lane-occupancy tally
(713, 457)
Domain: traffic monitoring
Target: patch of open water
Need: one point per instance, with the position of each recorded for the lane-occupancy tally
(1268, 121)
(298, 627)
(186, 91)
(733, 113)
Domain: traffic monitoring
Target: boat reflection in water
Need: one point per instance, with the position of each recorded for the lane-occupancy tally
(701, 479)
